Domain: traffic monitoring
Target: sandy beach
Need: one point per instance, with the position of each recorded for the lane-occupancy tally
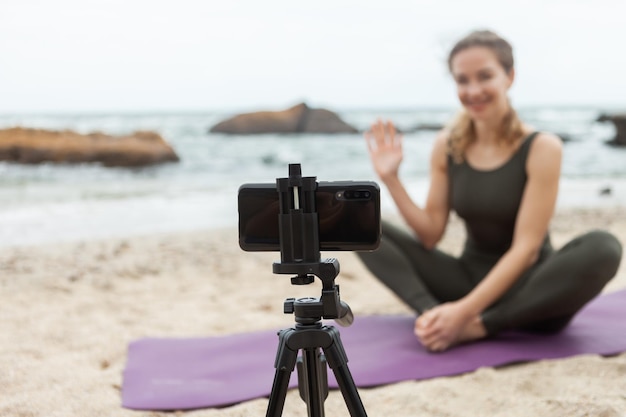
(69, 311)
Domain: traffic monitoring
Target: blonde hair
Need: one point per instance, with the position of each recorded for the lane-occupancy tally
(462, 129)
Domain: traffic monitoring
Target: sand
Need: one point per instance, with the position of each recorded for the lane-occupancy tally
(69, 311)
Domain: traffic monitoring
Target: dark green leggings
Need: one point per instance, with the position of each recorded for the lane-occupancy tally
(543, 299)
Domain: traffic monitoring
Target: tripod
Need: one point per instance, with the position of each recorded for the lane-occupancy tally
(300, 255)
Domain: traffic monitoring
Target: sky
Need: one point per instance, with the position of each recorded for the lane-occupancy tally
(209, 55)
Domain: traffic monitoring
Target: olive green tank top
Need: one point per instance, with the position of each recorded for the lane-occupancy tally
(488, 201)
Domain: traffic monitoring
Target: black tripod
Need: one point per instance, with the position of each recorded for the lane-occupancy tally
(300, 255)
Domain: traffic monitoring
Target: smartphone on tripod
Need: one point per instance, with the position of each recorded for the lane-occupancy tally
(348, 211)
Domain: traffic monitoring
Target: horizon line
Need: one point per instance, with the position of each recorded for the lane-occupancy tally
(609, 107)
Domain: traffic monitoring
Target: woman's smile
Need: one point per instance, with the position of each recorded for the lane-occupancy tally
(482, 83)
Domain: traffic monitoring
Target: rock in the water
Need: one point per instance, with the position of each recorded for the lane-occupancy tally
(297, 119)
(33, 146)
(619, 120)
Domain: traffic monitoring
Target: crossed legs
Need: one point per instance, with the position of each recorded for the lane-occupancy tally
(544, 299)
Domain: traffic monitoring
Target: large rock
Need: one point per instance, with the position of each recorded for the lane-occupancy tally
(619, 120)
(297, 119)
(33, 146)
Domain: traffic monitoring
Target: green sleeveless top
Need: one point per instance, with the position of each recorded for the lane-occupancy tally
(488, 201)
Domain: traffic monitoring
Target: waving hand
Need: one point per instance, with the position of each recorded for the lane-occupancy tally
(384, 144)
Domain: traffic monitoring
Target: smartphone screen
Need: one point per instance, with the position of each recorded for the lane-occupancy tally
(348, 216)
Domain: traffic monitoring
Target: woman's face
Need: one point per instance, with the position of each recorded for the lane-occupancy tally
(482, 83)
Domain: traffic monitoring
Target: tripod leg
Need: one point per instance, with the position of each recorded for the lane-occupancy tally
(312, 381)
(285, 363)
(338, 362)
(322, 372)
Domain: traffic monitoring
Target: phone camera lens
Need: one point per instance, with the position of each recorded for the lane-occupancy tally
(366, 194)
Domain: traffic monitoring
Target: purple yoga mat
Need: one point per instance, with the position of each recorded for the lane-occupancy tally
(177, 374)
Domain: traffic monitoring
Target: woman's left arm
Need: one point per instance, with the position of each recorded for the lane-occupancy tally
(543, 168)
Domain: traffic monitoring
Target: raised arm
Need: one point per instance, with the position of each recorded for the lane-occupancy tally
(385, 149)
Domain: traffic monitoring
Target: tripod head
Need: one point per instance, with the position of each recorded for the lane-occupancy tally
(298, 226)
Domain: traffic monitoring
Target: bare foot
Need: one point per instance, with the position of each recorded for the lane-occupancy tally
(473, 330)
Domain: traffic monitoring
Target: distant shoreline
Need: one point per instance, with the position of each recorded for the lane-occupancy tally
(606, 211)
(94, 219)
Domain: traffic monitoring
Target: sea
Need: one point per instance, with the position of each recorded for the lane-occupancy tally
(41, 204)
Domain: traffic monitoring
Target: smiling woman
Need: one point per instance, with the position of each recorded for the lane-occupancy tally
(501, 177)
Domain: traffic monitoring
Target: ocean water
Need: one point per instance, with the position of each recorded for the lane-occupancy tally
(55, 203)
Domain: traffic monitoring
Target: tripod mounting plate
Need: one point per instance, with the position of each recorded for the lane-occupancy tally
(326, 270)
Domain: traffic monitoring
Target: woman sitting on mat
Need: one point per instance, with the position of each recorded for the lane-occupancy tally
(501, 177)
